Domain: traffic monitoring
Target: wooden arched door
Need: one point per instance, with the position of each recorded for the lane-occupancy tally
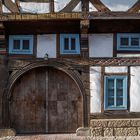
(46, 100)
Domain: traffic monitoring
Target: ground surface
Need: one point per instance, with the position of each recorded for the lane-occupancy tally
(65, 137)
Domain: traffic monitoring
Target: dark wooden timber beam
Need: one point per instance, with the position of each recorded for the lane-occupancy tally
(38, 1)
(10, 6)
(0, 7)
(70, 6)
(135, 8)
(99, 6)
(51, 6)
(85, 5)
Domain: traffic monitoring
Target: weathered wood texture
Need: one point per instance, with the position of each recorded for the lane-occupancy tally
(70, 6)
(84, 46)
(46, 100)
(99, 6)
(135, 8)
(3, 82)
(11, 6)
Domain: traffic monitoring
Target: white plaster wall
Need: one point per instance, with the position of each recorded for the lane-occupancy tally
(95, 89)
(78, 8)
(119, 5)
(91, 7)
(46, 44)
(116, 69)
(34, 7)
(113, 5)
(135, 89)
(101, 45)
(5, 10)
(60, 4)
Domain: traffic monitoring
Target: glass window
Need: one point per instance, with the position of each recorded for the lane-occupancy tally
(69, 44)
(115, 93)
(20, 44)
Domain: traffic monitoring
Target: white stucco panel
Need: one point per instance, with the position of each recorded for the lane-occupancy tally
(101, 45)
(117, 69)
(46, 44)
(135, 89)
(33, 7)
(78, 8)
(95, 89)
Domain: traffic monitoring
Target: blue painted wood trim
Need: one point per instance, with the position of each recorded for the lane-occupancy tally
(129, 47)
(106, 107)
(21, 37)
(69, 36)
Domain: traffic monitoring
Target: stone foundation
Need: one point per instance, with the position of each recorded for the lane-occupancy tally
(7, 132)
(115, 127)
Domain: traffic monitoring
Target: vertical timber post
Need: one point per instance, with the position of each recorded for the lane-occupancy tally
(4, 78)
(84, 26)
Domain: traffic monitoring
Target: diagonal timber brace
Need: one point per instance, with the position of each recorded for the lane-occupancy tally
(70, 6)
(11, 6)
(99, 6)
(135, 8)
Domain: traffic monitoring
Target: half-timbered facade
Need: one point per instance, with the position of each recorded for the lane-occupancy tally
(68, 65)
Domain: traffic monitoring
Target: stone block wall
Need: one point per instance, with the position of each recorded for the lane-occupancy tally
(115, 127)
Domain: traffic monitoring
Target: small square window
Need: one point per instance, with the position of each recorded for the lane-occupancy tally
(69, 44)
(128, 42)
(66, 44)
(73, 44)
(124, 41)
(135, 41)
(20, 44)
(115, 93)
(16, 44)
(26, 45)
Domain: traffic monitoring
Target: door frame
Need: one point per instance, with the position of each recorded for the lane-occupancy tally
(57, 65)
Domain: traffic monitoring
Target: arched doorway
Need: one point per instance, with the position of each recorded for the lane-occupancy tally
(45, 100)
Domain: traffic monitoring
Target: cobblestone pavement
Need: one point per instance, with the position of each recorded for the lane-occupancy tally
(65, 137)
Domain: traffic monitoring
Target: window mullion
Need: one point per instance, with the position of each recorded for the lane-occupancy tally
(69, 43)
(21, 44)
(129, 41)
(115, 92)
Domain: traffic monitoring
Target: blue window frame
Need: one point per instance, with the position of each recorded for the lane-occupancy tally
(21, 44)
(115, 93)
(127, 41)
(69, 44)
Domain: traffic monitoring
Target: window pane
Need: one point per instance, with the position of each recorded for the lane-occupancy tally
(110, 92)
(25, 45)
(119, 101)
(119, 86)
(124, 41)
(110, 83)
(66, 44)
(16, 44)
(73, 44)
(135, 41)
(119, 92)
(110, 101)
